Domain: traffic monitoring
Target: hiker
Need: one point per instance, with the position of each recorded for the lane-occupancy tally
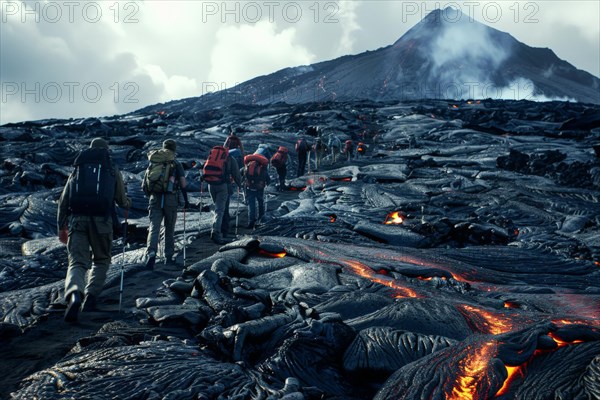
(279, 161)
(233, 142)
(335, 144)
(265, 150)
(302, 149)
(320, 150)
(163, 180)
(84, 222)
(348, 150)
(361, 149)
(218, 171)
(256, 178)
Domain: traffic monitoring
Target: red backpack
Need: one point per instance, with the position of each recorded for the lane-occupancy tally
(255, 171)
(280, 157)
(214, 167)
(348, 146)
(232, 142)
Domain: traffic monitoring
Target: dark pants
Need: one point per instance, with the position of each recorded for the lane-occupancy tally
(302, 156)
(255, 196)
(281, 173)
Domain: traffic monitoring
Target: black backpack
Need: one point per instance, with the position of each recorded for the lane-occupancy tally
(92, 184)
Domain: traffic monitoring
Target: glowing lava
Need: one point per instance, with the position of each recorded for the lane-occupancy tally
(488, 322)
(265, 253)
(471, 370)
(512, 373)
(366, 272)
(394, 218)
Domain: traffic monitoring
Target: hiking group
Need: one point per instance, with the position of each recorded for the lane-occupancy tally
(87, 216)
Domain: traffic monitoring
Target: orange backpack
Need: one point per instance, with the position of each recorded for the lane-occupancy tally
(214, 167)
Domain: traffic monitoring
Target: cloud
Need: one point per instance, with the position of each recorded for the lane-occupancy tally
(243, 52)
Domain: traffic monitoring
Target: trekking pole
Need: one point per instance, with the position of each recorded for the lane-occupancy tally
(237, 211)
(184, 238)
(200, 206)
(126, 214)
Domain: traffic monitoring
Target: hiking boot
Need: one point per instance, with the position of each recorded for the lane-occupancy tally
(150, 263)
(89, 303)
(170, 261)
(73, 307)
(218, 239)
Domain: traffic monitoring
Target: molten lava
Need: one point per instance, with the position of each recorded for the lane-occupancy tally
(486, 321)
(366, 272)
(471, 370)
(395, 217)
(512, 373)
(265, 253)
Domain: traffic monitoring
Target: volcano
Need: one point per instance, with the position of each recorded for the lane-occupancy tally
(447, 55)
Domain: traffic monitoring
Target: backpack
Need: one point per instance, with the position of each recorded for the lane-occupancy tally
(237, 154)
(255, 171)
(301, 145)
(348, 146)
(232, 142)
(214, 167)
(319, 145)
(335, 142)
(159, 172)
(278, 160)
(92, 184)
(361, 147)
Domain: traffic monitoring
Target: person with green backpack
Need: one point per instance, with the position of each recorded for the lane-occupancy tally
(163, 180)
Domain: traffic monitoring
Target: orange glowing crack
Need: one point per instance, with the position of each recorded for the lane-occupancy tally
(366, 272)
(269, 254)
(512, 373)
(471, 369)
(489, 322)
(562, 343)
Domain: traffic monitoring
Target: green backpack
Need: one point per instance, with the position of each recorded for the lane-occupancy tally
(159, 172)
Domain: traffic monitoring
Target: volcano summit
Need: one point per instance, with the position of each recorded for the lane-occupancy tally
(447, 55)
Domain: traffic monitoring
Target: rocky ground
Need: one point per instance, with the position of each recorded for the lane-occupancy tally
(488, 286)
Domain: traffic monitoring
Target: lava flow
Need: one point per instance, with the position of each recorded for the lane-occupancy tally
(366, 272)
(471, 372)
(395, 217)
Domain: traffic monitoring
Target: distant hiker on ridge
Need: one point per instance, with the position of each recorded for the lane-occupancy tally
(302, 150)
(233, 142)
(84, 222)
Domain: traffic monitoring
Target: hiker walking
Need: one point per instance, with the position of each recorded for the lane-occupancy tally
(302, 149)
(335, 144)
(233, 142)
(218, 171)
(348, 150)
(256, 178)
(84, 222)
(361, 149)
(279, 161)
(320, 150)
(163, 180)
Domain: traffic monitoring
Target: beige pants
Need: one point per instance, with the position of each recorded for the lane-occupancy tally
(89, 247)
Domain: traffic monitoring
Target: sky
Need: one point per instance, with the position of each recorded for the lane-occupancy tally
(75, 58)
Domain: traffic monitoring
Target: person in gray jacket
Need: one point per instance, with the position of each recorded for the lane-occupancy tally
(220, 193)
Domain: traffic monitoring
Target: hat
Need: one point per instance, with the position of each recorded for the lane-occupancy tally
(170, 144)
(99, 143)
